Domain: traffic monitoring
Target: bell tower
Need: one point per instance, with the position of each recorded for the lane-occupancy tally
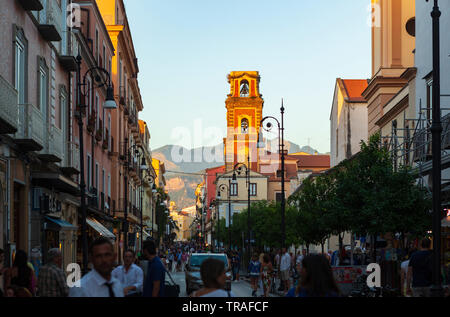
(244, 113)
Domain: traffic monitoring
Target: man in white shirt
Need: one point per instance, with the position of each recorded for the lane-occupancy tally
(99, 282)
(285, 266)
(129, 275)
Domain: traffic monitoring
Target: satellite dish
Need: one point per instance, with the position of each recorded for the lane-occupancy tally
(411, 26)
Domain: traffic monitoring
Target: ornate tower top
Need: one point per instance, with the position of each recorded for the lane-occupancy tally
(244, 84)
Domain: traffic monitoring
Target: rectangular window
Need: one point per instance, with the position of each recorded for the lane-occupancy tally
(96, 176)
(89, 171)
(109, 185)
(104, 56)
(110, 132)
(97, 121)
(19, 70)
(88, 95)
(234, 190)
(337, 142)
(253, 189)
(42, 89)
(97, 53)
(103, 181)
(278, 197)
(62, 108)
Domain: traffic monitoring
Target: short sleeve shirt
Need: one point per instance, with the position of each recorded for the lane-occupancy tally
(156, 272)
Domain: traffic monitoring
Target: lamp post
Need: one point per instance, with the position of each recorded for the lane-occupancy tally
(436, 131)
(110, 103)
(143, 166)
(222, 188)
(238, 168)
(268, 127)
(151, 180)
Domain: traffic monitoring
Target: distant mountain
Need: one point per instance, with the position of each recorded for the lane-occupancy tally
(179, 160)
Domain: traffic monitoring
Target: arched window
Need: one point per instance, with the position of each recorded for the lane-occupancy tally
(244, 125)
(245, 90)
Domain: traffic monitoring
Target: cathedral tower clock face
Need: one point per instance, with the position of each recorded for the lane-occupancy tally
(244, 113)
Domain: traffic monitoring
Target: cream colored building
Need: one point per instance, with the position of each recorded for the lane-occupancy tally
(239, 192)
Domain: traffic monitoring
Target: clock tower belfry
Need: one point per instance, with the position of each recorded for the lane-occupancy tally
(244, 113)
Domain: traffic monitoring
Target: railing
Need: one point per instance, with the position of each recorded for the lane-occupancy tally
(93, 198)
(74, 156)
(31, 124)
(102, 202)
(55, 144)
(8, 103)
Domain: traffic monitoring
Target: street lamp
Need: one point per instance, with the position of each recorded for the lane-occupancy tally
(268, 127)
(110, 103)
(144, 167)
(151, 180)
(223, 188)
(238, 168)
(436, 131)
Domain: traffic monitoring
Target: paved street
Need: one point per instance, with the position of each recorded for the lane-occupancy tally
(240, 289)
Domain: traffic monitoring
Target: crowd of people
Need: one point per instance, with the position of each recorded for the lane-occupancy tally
(298, 275)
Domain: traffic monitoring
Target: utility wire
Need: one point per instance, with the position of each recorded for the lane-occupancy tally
(176, 172)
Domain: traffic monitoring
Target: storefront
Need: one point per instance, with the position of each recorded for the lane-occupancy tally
(95, 229)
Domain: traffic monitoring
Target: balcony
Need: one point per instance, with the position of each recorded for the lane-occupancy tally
(31, 5)
(53, 151)
(8, 108)
(30, 135)
(72, 161)
(50, 23)
(92, 199)
(99, 132)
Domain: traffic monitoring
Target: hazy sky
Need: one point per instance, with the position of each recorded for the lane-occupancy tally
(186, 48)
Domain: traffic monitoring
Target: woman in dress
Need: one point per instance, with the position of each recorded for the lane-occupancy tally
(255, 270)
(266, 271)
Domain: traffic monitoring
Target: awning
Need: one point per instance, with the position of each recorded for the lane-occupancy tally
(58, 224)
(97, 226)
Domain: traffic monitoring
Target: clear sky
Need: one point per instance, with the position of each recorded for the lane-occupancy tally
(186, 48)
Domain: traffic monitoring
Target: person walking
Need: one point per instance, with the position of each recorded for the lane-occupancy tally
(404, 274)
(254, 269)
(156, 275)
(285, 266)
(266, 273)
(316, 279)
(184, 259)
(99, 282)
(21, 275)
(420, 271)
(52, 279)
(213, 274)
(130, 275)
